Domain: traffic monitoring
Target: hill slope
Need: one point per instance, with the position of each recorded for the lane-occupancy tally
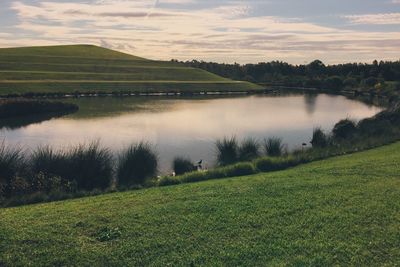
(86, 68)
(341, 211)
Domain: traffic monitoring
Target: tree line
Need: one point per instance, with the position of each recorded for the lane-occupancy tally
(380, 76)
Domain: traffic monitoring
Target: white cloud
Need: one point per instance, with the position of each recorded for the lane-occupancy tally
(224, 33)
(376, 19)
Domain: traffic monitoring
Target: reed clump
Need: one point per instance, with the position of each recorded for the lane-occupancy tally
(137, 164)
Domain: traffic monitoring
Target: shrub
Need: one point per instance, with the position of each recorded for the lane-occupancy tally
(195, 177)
(44, 183)
(227, 151)
(301, 156)
(314, 154)
(319, 138)
(249, 150)
(18, 186)
(268, 164)
(392, 116)
(240, 169)
(90, 166)
(137, 164)
(169, 180)
(344, 129)
(374, 127)
(274, 147)
(182, 165)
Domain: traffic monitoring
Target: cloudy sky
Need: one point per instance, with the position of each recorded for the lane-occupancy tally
(296, 31)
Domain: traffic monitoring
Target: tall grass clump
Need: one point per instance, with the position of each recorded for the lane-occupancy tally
(227, 151)
(12, 162)
(249, 150)
(319, 138)
(88, 166)
(91, 166)
(49, 162)
(182, 165)
(137, 164)
(274, 147)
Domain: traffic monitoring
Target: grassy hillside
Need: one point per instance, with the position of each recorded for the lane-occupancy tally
(342, 211)
(85, 68)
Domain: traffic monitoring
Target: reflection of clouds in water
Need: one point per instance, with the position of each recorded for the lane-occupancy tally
(190, 127)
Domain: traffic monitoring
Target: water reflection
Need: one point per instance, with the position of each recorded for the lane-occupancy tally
(189, 127)
(20, 122)
(311, 102)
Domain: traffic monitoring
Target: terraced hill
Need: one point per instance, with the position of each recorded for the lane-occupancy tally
(92, 69)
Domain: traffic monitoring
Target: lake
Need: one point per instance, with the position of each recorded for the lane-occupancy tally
(189, 126)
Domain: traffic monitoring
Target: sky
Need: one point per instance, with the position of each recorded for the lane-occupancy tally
(295, 31)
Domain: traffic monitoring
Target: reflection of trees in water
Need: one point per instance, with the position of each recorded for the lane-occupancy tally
(91, 107)
(311, 102)
(19, 122)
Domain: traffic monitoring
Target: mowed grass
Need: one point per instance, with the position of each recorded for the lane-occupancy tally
(85, 68)
(342, 211)
(140, 74)
(77, 51)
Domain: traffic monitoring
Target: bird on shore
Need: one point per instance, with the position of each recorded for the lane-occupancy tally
(199, 165)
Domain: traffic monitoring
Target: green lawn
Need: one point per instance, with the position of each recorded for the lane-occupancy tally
(342, 211)
(144, 74)
(77, 51)
(84, 68)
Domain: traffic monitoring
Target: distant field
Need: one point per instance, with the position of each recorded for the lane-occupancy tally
(343, 211)
(83, 68)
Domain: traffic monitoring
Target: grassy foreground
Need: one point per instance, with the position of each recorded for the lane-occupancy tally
(91, 69)
(341, 211)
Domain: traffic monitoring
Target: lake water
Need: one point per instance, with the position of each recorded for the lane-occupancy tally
(189, 127)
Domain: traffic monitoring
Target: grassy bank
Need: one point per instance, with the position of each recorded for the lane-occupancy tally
(59, 88)
(91, 69)
(341, 211)
(247, 157)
